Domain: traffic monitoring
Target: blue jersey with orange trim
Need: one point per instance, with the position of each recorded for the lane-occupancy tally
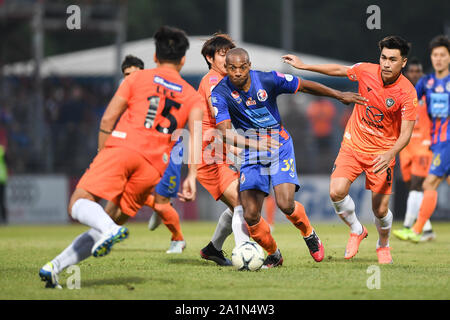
(437, 93)
(257, 108)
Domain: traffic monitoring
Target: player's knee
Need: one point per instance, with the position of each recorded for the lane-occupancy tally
(251, 217)
(337, 194)
(287, 207)
(380, 211)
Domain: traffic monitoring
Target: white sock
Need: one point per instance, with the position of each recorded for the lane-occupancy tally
(412, 207)
(427, 226)
(92, 214)
(346, 210)
(384, 226)
(240, 230)
(223, 229)
(77, 251)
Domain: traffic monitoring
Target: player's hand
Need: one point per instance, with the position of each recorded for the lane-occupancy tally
(189, 189)
(267, 144)
(352, 97)
(293, 60)
(382, 162)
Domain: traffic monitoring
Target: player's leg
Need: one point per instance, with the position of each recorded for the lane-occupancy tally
(221, 181)
(270, 207)
(258, 228)
(439, 170)
(79, 250)
(295, 212)
(383, 223)
(346, 169)
(428, 205)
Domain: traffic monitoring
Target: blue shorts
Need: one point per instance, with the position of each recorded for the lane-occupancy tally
(440, 165)
(169, 184)
(258, 172)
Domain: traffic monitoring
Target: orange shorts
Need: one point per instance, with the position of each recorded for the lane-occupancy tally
(216, 178)
(415, 161)
(122, 176)
(350, 164)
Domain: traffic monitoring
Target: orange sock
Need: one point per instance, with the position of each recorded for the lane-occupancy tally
(300, 219)
(270, 210)
(260, 232)
(429, 203)
(170, 218)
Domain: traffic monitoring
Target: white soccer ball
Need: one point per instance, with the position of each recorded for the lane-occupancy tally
(247, 256)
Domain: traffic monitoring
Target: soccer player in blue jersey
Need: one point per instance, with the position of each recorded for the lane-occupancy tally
(436, 88)
(247, 99)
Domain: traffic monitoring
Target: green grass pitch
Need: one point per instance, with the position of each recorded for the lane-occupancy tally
(139, 268)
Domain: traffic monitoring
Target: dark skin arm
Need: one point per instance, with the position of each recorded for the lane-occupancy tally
(318, 89)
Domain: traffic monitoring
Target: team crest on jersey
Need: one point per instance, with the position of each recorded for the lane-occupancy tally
(430, 83)
(439, 89)
(390, 102)
(250, 102)
(235, 94)
(447, 86)
(262, 95)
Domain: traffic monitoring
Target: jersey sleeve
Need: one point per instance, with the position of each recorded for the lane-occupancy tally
(285, 83)
(409, 106)
(354, 71)
(220, 107)
(420, 87)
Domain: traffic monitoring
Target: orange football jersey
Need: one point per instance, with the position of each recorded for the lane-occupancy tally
(375, 128)
(159, 102)
(209, 81)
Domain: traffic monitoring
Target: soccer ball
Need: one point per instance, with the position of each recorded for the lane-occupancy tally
(247, 256)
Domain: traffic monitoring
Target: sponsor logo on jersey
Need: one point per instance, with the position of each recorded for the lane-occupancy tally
(374, 116)
(439, 89)
(262, 95)
(390, 102)
(169, 85)
(250, 102)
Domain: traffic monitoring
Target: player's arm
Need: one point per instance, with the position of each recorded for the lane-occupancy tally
(113, 111)
(318, 89)
(331, 69)
(382, 162)
(236, 140)
(189, 188)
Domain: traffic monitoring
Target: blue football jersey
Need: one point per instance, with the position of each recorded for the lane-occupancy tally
(437, 93)
(257, 108)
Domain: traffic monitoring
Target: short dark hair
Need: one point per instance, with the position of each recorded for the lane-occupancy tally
(414, 61)
(132, 61)
(395, 42)
(440, 41)
(219, 41)
(171, 44)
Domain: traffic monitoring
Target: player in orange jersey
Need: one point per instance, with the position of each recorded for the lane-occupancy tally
(373, 136)
(148, 107)
(217, 173)
(167, 187)
(415, 160)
